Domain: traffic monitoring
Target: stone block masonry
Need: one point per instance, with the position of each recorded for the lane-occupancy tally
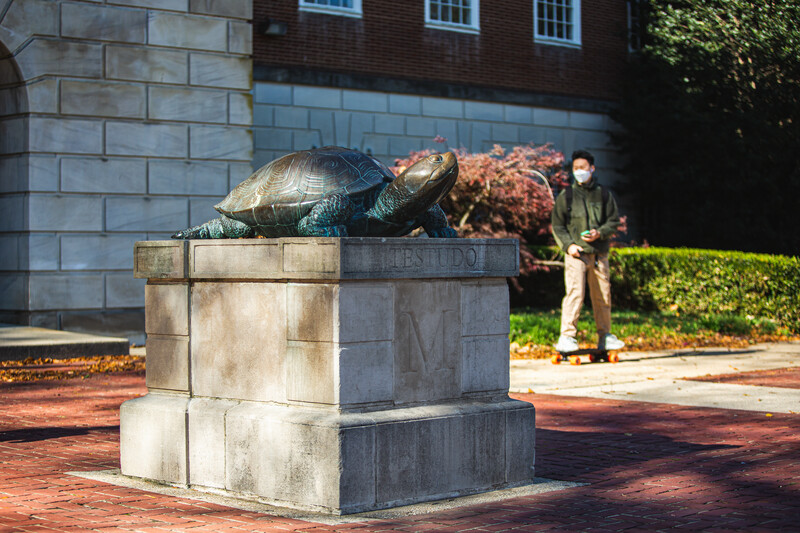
(289, 117)
(120, 121)
(380, 377)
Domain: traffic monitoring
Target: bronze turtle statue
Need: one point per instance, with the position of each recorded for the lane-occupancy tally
(334, 192)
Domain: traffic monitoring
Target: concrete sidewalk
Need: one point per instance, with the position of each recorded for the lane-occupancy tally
(21, 342)
(661, 377)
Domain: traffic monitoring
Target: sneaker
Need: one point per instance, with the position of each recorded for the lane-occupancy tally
(566, 344)
(610, 342)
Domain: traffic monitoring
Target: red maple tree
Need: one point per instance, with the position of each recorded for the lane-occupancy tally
(503, 194)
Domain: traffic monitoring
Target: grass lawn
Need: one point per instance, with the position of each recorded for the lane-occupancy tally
(534, 331)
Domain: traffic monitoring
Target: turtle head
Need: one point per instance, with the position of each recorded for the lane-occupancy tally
(418, 188)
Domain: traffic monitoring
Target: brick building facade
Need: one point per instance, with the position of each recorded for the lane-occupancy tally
(385, 78)
(390, 40)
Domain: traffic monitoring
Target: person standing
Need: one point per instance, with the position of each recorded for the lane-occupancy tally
(584, 218)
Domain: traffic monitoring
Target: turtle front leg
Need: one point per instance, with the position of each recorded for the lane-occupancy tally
(219, 228)
(328, 217)
(434, 222)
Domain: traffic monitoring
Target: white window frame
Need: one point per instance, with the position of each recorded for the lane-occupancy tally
(313, 7)
(474, 27)
(575, 42)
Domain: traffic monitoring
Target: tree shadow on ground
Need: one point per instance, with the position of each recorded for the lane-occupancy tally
(574, 455)
(641, 480)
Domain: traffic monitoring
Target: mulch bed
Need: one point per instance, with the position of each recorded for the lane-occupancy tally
(46, 369)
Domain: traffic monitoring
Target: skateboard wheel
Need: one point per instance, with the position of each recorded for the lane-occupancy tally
(574, 360)
(593, 358)
(555, 359)
(613, 358)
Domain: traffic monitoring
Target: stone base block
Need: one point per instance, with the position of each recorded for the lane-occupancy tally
(153, 438)
(329, 461)
(329, 374)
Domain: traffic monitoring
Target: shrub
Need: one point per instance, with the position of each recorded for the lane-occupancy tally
(498, 195)
(731, 290)
(700, 282)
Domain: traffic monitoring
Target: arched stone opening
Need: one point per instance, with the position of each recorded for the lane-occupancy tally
(14, 267)
(106, 139)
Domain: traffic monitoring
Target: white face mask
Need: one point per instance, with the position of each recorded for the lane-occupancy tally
(582, 176)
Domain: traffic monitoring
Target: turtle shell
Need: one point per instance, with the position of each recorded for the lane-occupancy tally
(283, 191)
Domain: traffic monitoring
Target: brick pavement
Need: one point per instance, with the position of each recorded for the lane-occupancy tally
(650, 467)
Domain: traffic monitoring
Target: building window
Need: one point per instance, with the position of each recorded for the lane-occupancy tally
(557, 22)
(347, 8)
(635, 25)
(456, 15)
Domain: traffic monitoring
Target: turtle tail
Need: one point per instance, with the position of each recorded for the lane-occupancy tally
(219, 228)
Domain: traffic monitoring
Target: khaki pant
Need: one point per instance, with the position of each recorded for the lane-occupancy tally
(594, 269)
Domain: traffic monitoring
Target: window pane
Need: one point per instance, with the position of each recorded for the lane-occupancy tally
(333, 3)
(555, 19)
(450, 11)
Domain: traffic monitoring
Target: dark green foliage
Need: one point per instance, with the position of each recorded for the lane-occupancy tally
(542, 286)
(708, 283)
(723, 288)
(711, 113)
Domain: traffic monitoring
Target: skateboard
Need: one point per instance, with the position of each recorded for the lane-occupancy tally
(594, 354)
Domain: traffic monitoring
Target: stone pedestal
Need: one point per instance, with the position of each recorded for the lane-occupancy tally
(340, 375)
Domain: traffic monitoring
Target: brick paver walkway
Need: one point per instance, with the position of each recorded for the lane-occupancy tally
(650, 467)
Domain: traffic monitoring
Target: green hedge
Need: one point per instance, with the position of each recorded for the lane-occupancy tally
(701, 282)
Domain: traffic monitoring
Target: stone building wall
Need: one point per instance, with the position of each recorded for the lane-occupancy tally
(120, 121)
(388, 125)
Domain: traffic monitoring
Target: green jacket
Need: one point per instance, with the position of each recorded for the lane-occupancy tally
(587, 214)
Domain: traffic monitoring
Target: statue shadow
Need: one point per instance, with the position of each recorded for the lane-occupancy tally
(631, 357)
(48, 433)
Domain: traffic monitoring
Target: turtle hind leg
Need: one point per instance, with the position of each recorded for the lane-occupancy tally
(434, 222)
(219, 228)
(328, 217)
